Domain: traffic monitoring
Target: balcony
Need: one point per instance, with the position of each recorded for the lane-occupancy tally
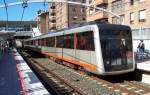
(53, 7)
(53, 20)
(53, 17)
(53, 24)
(97, 15)
(100, 1)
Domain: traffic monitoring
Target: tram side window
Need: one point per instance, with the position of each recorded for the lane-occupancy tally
(39, 42)
(29, 43)
(36, 42)
(59, 42)
(42, 42)
(69, 41)
(32, 42)
(85, 41)
(51, 41)
(46, 42)
(129, 40)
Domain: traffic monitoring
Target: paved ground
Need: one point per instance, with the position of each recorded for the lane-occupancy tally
(9, 84)
(32, 84)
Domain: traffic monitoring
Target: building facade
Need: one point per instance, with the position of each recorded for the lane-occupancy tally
(132, 12)
(63, 15)
(43, 21)
(52, 16)
(17, 26)
(94, 14)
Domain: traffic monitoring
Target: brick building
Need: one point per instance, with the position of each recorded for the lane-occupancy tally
(63, 15)
(43, 21)
(94, 14)
(132, 12)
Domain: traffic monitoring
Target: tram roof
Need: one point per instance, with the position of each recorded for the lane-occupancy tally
(100, 24)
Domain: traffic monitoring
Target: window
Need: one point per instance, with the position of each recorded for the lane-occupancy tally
(83, 1)
(131, 2)
(69, 41)
(59, 41)
(142, 15)
(115, 20)
(36, 42)
(115, 43)
(122, 19)
(75, 18)
(73, 9)
(39, 42)
(51, 42)
(83, 18)
(131, 17)
(91, 10)
(44, 41)
(83, 9)
(85, 40)
(118, 6)
(141, 0)
(91, 1)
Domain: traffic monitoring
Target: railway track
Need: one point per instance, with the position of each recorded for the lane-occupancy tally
(136, 87)
(64, 79)
(57, 83)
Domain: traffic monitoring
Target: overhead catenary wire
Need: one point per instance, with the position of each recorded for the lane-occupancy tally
(24, 6)
(22, 14)
(44, 3)
(6, 15)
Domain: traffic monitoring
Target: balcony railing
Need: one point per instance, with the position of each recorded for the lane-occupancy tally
(53, 7)
(100, 1)
(98, 15)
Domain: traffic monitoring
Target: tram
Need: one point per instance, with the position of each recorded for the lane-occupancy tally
(100, 48)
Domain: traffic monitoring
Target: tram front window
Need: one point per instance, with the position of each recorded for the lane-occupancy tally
(116, 49)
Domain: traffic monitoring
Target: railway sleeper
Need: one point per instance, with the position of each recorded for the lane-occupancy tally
(64, 91)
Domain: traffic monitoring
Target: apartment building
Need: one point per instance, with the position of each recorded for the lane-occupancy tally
(52, 16)
(43, 21)
(63, 15)
(134, 13)
(97, 15)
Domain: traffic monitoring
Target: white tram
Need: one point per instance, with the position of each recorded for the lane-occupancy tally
(103, 49)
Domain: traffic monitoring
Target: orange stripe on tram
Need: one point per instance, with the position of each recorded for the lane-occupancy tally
(86, 65)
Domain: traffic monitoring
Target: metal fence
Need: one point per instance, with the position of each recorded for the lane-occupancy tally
(142, 33)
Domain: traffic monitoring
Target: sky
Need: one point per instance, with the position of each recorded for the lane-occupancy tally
(15, 12)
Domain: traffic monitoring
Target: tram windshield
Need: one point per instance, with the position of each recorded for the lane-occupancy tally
(116, 49)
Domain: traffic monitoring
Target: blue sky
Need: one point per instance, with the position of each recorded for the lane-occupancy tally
(15, 12)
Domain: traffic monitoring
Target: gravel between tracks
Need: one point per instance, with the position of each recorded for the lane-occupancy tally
(86, 84)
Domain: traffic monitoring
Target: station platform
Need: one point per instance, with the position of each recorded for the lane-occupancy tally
(144, 66)
(16, 77)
